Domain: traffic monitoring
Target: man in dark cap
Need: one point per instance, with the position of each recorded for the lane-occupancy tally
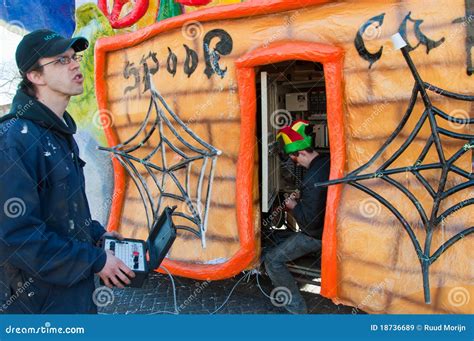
(48, 240)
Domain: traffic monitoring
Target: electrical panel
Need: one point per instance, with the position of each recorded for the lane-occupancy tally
(297, 101)
(304, 95)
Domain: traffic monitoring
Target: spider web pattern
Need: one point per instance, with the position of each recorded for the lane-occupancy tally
(166, 124)
(446, 165)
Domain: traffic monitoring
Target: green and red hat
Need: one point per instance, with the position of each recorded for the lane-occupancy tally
(295, 137)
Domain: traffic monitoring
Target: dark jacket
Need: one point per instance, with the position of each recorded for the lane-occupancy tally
(48, 255)
(311, 207)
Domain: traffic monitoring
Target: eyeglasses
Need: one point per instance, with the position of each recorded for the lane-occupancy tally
(64, 60)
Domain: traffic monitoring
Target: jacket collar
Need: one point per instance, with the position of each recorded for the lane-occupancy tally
(29, 108)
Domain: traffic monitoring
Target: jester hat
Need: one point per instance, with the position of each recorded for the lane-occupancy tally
(295, 137)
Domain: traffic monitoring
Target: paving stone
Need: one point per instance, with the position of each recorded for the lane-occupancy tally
(156, 296)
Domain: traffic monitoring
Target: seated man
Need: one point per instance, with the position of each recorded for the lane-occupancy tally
(308, 211)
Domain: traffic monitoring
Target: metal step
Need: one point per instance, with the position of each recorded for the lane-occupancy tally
(306, 271)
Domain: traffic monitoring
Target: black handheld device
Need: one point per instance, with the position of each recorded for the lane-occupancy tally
(133, 252)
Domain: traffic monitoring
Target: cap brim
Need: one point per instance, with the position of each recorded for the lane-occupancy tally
(77, 44)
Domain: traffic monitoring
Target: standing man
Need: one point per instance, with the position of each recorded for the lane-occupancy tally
(308, 211)
(48, 241)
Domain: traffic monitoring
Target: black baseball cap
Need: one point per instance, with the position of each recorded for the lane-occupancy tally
(44, 43)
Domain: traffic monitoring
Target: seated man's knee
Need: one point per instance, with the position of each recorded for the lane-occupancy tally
(272, 264)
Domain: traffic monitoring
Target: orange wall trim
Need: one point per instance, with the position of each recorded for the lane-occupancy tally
(329, 56)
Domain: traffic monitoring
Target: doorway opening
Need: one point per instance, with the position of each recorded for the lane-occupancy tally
(288, 91)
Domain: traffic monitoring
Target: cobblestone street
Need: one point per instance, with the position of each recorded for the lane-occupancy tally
(196, 297)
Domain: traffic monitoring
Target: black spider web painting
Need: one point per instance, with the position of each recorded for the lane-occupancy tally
(445, 165)
(171, 177)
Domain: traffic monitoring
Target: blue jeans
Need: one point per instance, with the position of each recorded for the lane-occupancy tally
(295, 246)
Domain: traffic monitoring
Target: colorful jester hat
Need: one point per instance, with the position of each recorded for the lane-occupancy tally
(295, 137)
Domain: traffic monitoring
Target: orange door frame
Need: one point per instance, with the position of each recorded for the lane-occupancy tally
(331, 57)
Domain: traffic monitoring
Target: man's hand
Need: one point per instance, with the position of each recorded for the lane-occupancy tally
(113, 234)
(290, 203)
(115, 272)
